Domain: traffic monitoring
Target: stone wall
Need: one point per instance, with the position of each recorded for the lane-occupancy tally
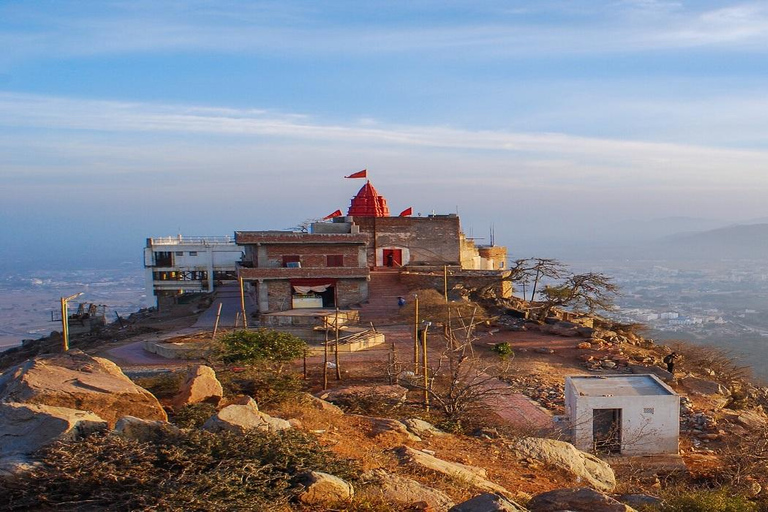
(348, 292)
(312, 255)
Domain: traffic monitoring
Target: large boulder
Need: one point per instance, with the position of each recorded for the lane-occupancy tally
(25, 428)
(240, 418)
(143, 430)
(351, 396)
(488, 502)
(201, 385)
(699, 386)
(565, 456)
(404, 491)
(477, 477)
(322, 488)
(580, 499)
(75, 380)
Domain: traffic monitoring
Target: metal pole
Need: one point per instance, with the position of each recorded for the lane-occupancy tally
(325, 354)
(416, 334)
(216, 323)
(64, 324)
(242, 304)
(426, 376)
(336, 346)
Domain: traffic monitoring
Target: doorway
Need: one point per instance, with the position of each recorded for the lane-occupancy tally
(392, 257)
(606, 430)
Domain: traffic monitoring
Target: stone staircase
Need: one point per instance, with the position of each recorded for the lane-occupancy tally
(383, 290)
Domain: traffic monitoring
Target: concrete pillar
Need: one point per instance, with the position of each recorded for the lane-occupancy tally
(261, 256)
(210, 269)
(263, 297)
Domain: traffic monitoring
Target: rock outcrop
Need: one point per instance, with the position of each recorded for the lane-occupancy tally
(488, 502)
(704, 387)
(322, 488)
(422, 428)
(404, 491)
(477, 477)
(201, 385)
(25, 428)
(75, 380)
(241, 418)
(565, 456)
(320, 404)
(349, 396)
(576, 499)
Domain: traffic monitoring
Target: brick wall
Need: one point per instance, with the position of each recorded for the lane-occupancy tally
(348, 292)
(312, 255)
(433, 240)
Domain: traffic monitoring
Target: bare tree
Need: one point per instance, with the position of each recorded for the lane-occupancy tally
(588, 293)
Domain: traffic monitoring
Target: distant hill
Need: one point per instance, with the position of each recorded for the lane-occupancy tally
(733, 242)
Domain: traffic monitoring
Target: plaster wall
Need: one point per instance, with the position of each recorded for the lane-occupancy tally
(650, 424)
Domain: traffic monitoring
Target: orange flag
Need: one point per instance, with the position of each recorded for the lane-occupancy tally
(359, 174)
(407, 212)
(337, 213)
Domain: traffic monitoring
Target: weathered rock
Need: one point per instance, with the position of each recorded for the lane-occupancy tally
(488, 502)
(564, 329)
(322, 488)
(752, 420)
(388, 425)
(392, 395)
(698, 386)
(652, 370)
(576, 499)
(584, 345)
(143, 430)
(75, 380)
(242, 418)
(422, 428)
(201, 385)
(24, 428)
(565, 456)
(320, 404)
(397, 489)
(474, 475)
(640, 500)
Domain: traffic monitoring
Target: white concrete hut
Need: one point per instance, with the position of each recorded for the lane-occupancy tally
(623, 414)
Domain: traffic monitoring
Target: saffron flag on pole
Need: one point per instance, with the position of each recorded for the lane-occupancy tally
(359, 174)
(407, 212)
(337, 213)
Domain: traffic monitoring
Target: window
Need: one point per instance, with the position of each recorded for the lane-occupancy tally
(179, 253)
(193, 253)
(648, 410)
(292, 258)
(334, 260)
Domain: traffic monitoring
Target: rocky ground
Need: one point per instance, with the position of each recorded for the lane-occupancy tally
(402, 459)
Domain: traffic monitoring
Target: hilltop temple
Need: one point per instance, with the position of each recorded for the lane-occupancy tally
(342, 261)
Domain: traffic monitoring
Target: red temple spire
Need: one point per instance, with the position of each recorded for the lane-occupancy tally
(368, 203)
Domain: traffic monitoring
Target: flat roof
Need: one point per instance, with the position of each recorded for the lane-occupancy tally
(620, 385)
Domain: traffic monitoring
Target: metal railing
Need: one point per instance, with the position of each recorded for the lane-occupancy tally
(191, 240)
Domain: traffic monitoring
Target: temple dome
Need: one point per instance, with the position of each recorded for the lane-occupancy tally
(368, 203)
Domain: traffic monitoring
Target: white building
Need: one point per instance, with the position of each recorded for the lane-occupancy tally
(627, 414)
(176, 265)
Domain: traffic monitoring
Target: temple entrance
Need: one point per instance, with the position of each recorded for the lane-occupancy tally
(392, 257)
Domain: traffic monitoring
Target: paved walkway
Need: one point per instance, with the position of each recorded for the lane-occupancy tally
(228, 296)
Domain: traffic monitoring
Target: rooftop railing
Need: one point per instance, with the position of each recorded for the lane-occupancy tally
(191, 240)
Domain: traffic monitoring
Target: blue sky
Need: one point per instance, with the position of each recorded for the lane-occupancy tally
(549, 119)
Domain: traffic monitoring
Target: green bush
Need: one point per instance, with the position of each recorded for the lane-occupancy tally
(263, 346)
(267, 387)
(191, 470)
(503, 349)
